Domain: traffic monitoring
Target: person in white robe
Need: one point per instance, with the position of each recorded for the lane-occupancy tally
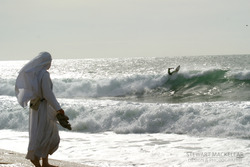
(34, 81)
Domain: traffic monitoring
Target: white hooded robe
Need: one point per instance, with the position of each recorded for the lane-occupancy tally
(33, 81)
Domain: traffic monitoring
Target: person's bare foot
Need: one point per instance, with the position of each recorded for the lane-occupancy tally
(48, 165)
(46, 162)
(36, 162)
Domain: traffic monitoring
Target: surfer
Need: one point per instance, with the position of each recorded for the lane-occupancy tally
(169, 72)
(175, 71)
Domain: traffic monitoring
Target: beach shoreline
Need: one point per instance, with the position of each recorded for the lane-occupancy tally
(15, 159)
(110, 149)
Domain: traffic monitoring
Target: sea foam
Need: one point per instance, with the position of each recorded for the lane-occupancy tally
(225, 119)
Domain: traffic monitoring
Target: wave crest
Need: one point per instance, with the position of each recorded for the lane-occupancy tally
(212, 84)
(208, 85)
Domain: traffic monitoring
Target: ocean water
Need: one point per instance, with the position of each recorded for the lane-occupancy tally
(122, 110)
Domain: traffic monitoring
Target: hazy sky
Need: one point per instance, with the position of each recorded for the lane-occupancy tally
(123, 28)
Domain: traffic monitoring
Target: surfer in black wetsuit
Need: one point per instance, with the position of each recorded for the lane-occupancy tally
(169, 72)
(174, 71)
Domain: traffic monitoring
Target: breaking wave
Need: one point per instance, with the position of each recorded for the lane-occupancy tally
(217, 119)
(209, 85)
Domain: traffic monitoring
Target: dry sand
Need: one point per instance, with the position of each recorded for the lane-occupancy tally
(13, 159)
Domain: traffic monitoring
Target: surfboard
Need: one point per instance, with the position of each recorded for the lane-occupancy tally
(177, 69)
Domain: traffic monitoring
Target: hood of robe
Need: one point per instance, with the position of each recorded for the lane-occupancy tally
(27, 82)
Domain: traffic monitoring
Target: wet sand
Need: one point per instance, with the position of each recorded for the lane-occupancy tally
(14, 159)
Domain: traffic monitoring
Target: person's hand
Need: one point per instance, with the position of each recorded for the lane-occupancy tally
(61, 111)
(63, 119)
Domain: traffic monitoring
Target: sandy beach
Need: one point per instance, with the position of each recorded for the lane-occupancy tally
(14, 159)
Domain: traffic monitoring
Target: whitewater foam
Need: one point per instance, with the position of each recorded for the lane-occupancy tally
(141, 150)
(224, 119)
